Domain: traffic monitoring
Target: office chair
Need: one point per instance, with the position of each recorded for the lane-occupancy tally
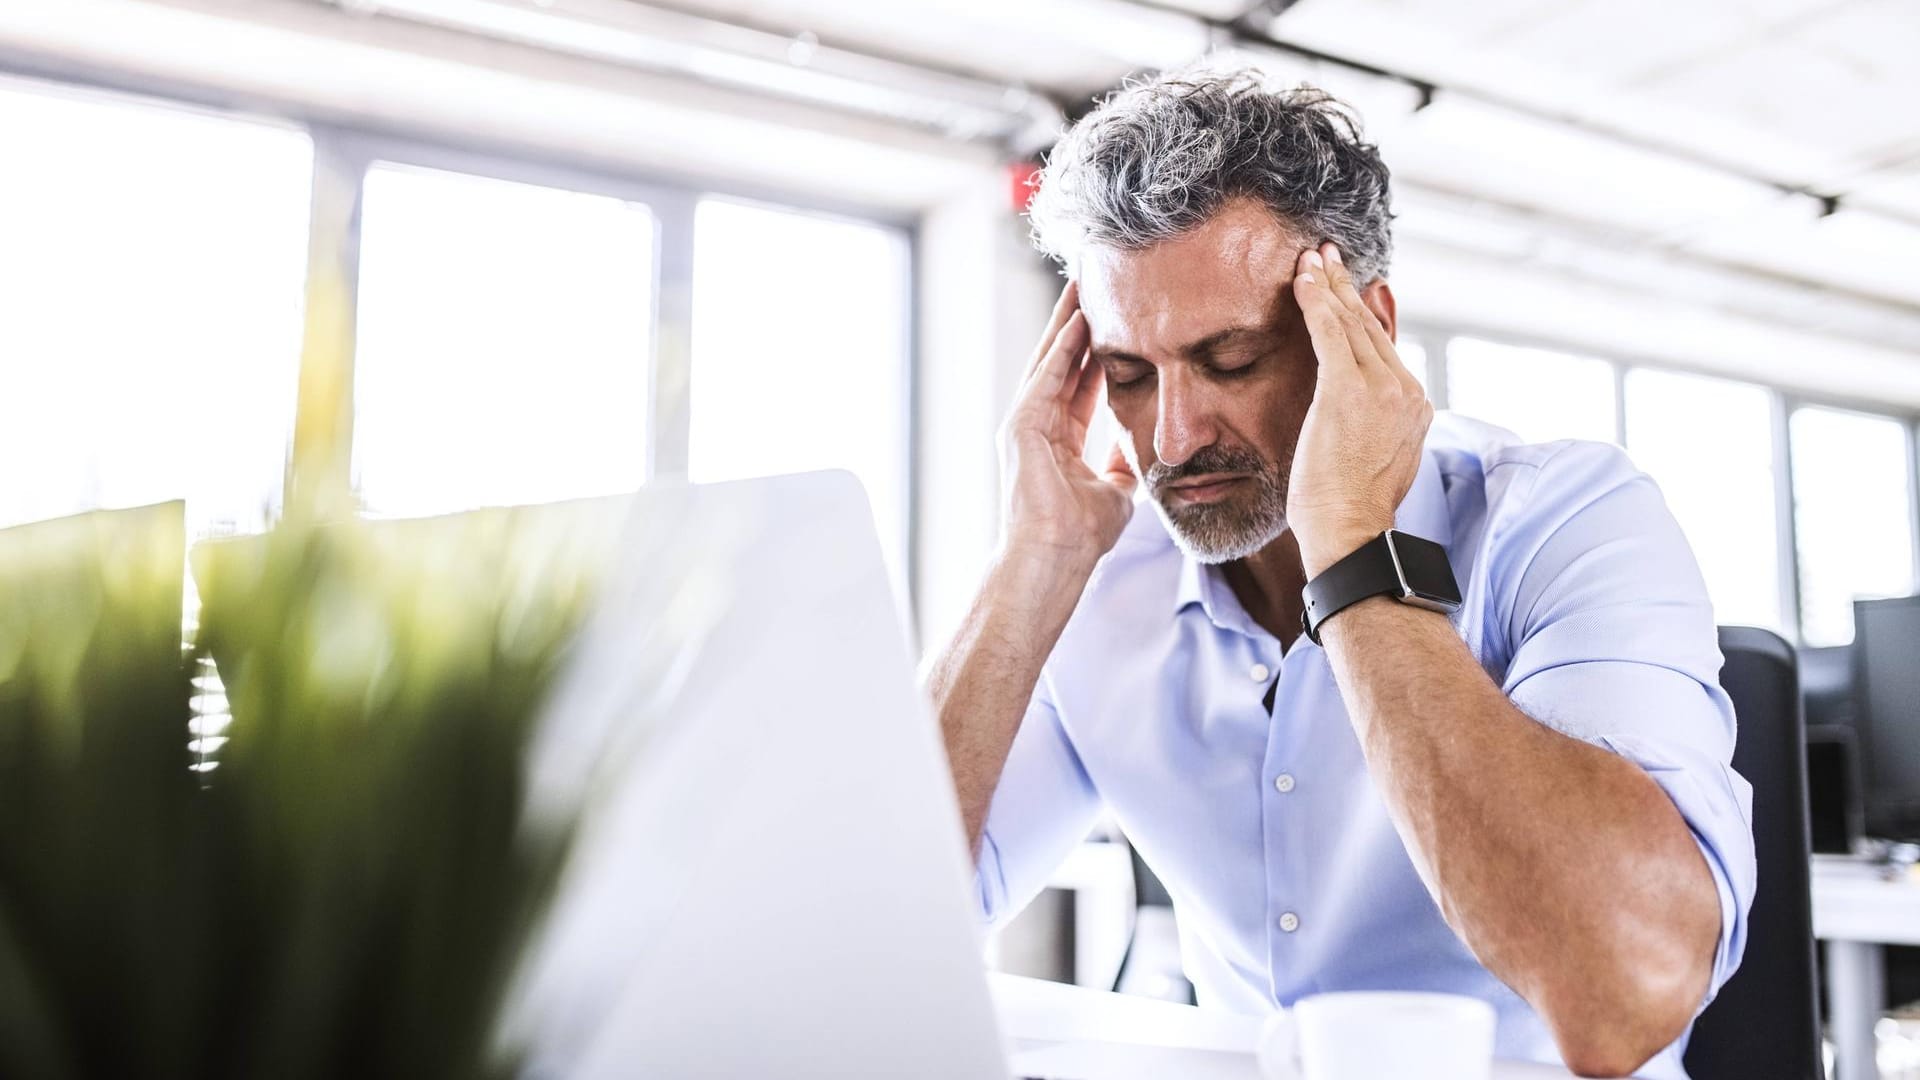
(1765, 1021)
(1834, 799)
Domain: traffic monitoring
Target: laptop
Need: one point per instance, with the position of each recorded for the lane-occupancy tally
(771, 878)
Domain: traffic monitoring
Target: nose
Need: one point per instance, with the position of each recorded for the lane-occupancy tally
(1184, 424)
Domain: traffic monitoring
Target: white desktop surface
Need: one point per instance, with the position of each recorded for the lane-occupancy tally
(1064, 1032)
(1852, 902)
(1855, 912)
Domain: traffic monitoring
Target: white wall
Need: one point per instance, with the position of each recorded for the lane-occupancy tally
(984, 295)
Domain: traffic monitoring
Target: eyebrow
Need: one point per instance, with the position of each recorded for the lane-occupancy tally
(1200, 349)
(1274, 327)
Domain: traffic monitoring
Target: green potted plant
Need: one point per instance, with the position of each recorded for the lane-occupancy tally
(319, 863)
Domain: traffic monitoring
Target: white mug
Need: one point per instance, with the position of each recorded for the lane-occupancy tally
(1385, 1035)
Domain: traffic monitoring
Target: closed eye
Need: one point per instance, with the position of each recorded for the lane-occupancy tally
(1232, 367)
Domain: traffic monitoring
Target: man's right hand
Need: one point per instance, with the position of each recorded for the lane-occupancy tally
(1057, 508)
(1061, 516)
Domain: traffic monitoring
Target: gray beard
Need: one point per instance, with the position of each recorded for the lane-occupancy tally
(1230, 529)
(1233, 528)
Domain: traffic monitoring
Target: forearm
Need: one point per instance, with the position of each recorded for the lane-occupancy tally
(982, 682)
(1564, 867)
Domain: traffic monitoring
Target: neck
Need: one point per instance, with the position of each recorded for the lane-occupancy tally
(1267, 583)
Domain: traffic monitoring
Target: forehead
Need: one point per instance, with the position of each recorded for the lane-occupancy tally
(1227, 272)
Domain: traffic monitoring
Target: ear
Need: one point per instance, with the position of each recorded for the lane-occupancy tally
(1378, 297)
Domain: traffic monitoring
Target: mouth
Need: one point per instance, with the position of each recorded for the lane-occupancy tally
(1204, 489)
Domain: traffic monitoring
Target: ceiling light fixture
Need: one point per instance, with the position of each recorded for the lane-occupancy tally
(798, 68)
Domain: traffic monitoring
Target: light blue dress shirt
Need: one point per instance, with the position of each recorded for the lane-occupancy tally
(1581, 599)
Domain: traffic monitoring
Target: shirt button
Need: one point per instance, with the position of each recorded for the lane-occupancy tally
(1289, 922)
(1259, 672)
(1283, 783)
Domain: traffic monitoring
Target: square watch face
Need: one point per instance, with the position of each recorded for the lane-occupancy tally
(1424, 566)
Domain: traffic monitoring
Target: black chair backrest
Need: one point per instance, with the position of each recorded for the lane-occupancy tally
(1834, 807)
(1765, 1021)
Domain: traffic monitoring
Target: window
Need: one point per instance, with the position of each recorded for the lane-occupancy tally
(1853, 516)
(1719, 483)
(800, 353)
(1537, 394)
(1414, 356)
(154, 261)
(503, 344)
(152, 268)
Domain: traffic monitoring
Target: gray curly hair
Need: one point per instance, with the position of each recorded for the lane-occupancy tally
(1159, 156)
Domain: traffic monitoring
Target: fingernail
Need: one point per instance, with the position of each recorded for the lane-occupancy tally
(1333, 252)
(1313, 259)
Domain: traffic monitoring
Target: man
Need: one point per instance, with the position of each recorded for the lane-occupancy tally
(1526, 798)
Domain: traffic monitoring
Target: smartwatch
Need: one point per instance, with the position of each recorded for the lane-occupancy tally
(1397, 564)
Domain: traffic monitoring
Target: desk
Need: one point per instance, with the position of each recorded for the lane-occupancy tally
(1064, 1032)
(1855, 913)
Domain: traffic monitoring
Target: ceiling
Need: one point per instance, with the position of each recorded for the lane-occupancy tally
(1755, 156)
(1802, 90)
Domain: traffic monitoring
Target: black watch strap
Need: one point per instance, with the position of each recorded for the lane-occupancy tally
(1367, 571)
(1377, 568)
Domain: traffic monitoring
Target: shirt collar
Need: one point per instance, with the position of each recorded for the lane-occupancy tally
(1196, 587)
(1423, 513)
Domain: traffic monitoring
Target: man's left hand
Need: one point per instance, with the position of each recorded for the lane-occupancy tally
(1360, 446)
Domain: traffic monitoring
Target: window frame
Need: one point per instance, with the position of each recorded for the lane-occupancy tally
(322, 451)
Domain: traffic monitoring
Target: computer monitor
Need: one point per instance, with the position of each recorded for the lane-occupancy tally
(1886, 679)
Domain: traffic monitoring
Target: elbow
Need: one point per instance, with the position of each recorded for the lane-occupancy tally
(1619, 1037)
(1599, 1057)
(1636, 991)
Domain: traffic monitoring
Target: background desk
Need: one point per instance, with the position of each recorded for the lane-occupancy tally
(1855, 913)
(1064, 1032)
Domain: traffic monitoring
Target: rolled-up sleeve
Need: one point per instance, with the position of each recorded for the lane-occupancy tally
(1615, 643)
(1043, 806)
